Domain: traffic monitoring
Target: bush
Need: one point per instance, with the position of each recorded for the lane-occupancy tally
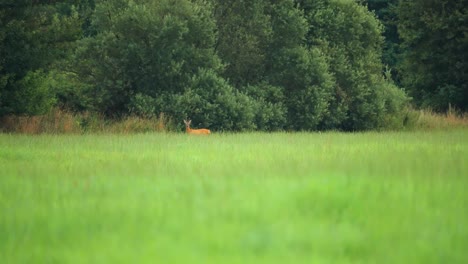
(31, 95)
(71, 93)
(142, 105)
(434, 64)
(144, 50)
(391, 106)
(288, 64)
(212, 102)
(303, 74)
(270, 111)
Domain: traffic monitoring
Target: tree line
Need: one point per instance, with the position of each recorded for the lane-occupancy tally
(235, 65)
(426, 43)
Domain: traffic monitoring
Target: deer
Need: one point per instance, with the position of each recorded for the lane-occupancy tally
(201, 131)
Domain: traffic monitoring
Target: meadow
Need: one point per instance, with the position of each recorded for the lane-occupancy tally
(373, 197)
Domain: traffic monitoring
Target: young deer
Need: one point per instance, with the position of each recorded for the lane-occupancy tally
(202, 131)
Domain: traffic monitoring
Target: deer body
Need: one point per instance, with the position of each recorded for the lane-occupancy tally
(202, 131)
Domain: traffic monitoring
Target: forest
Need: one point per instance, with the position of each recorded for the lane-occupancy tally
(267, 65)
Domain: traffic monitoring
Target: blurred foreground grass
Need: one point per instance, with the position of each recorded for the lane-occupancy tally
(235, 198)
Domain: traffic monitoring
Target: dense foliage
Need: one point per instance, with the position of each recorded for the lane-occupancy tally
(227, 65)
(34, 37)
(435, 40)
(426, 44)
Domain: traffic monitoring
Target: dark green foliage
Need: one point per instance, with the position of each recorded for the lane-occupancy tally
(227, 65)
(149, 49)
(435, 63)
(71, 92)
(32, 95)
(142, 105)
(270, 111)
(426, 47)
(300, 70)
(350, 38)
(392, 105)
(385, 10)
(304, 75)
(244, 33)
(212, 102)
(33, 38)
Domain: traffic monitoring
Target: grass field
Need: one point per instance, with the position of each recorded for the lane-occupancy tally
(393, 197)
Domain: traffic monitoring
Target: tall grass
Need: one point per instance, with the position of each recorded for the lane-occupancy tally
(393, 197)
(58, 121)
(430, 120)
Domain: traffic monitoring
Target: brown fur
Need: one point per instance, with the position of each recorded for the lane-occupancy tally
(201, 131)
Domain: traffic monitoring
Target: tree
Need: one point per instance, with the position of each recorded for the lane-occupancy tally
(323, 57)
(33, 38)
(148, 48)
(244, 33)
(262, 43)
(435, 63)
(385, 10)
(229, 65)
(350, 38)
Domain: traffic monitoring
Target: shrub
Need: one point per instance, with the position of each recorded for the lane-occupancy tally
(142, 105)
(212, 102)
(391, 104)
(143, 51)
(270, 111)
(31, 95)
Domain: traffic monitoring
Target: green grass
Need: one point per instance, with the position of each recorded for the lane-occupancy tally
(235, 198)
